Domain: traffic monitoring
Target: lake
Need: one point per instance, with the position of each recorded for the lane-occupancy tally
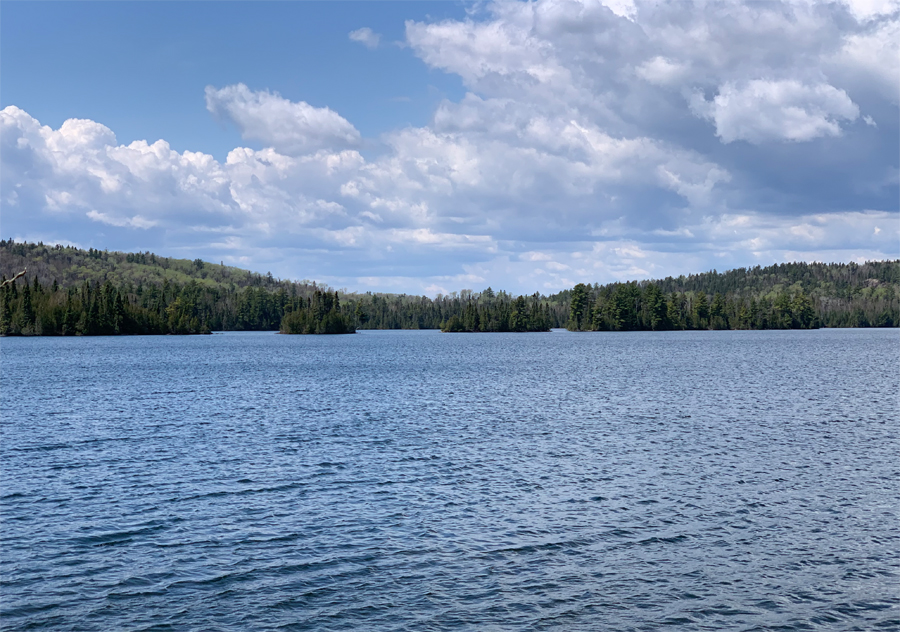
(412, 480)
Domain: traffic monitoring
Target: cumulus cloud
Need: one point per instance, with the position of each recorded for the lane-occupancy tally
(366, 36)
(662, 71)
(290, 127)
(596, 141)
(871, 56)
(760, 111)
(865, 10)
(134, 222)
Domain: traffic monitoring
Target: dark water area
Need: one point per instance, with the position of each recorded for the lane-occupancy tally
(427, 481)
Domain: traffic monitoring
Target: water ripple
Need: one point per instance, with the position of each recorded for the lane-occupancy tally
(417, 481)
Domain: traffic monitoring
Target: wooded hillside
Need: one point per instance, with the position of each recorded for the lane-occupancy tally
(783, 296)
(68, 291)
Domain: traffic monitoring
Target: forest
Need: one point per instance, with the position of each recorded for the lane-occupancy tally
(490, 313)
(69, 291)
(784, 296)
(110, 293)
(319, 314)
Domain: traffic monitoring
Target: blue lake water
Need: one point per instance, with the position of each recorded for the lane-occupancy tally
(426, 481)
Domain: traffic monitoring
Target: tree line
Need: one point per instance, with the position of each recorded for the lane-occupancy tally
(785, 296)
(70, 266)
(29, 308)
(636, 307)
(319, 314)
(69, 291)
(487, 313)
(461, 311)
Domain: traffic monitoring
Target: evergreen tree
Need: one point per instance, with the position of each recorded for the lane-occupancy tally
(657, 309)
(578, 307)
(701, 310)
(803, 315)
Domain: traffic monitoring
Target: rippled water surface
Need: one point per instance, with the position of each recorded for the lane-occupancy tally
(427, 481)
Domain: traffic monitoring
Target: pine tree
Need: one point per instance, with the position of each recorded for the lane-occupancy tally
(657, 309)
(578, 307)
(701, 310)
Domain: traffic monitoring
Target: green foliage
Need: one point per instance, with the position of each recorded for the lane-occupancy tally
(788, 296)
(321, 314)
(579, 307)
(70, 266)
(98, 310)
(69, 291)
(227, 298)
(489, 312)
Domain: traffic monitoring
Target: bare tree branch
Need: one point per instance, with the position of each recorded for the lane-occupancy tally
(13, 280)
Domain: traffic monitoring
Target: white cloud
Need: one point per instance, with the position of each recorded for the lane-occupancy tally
(582, 150)
(662, 71)
(498, 146)
(769, 238)
(289, 127)
(504, 56)
(623, 8)
(425, 236)
(864, 10)
(133, 222)
(873, 56)
(761, 111)
(366, 36)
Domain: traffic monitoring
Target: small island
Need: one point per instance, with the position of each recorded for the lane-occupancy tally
(319, 314)
(488, 315)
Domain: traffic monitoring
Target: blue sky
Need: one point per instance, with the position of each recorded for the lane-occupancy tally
(140, 67)
(436, 146)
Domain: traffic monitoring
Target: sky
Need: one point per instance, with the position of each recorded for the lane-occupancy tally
(430, 147)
